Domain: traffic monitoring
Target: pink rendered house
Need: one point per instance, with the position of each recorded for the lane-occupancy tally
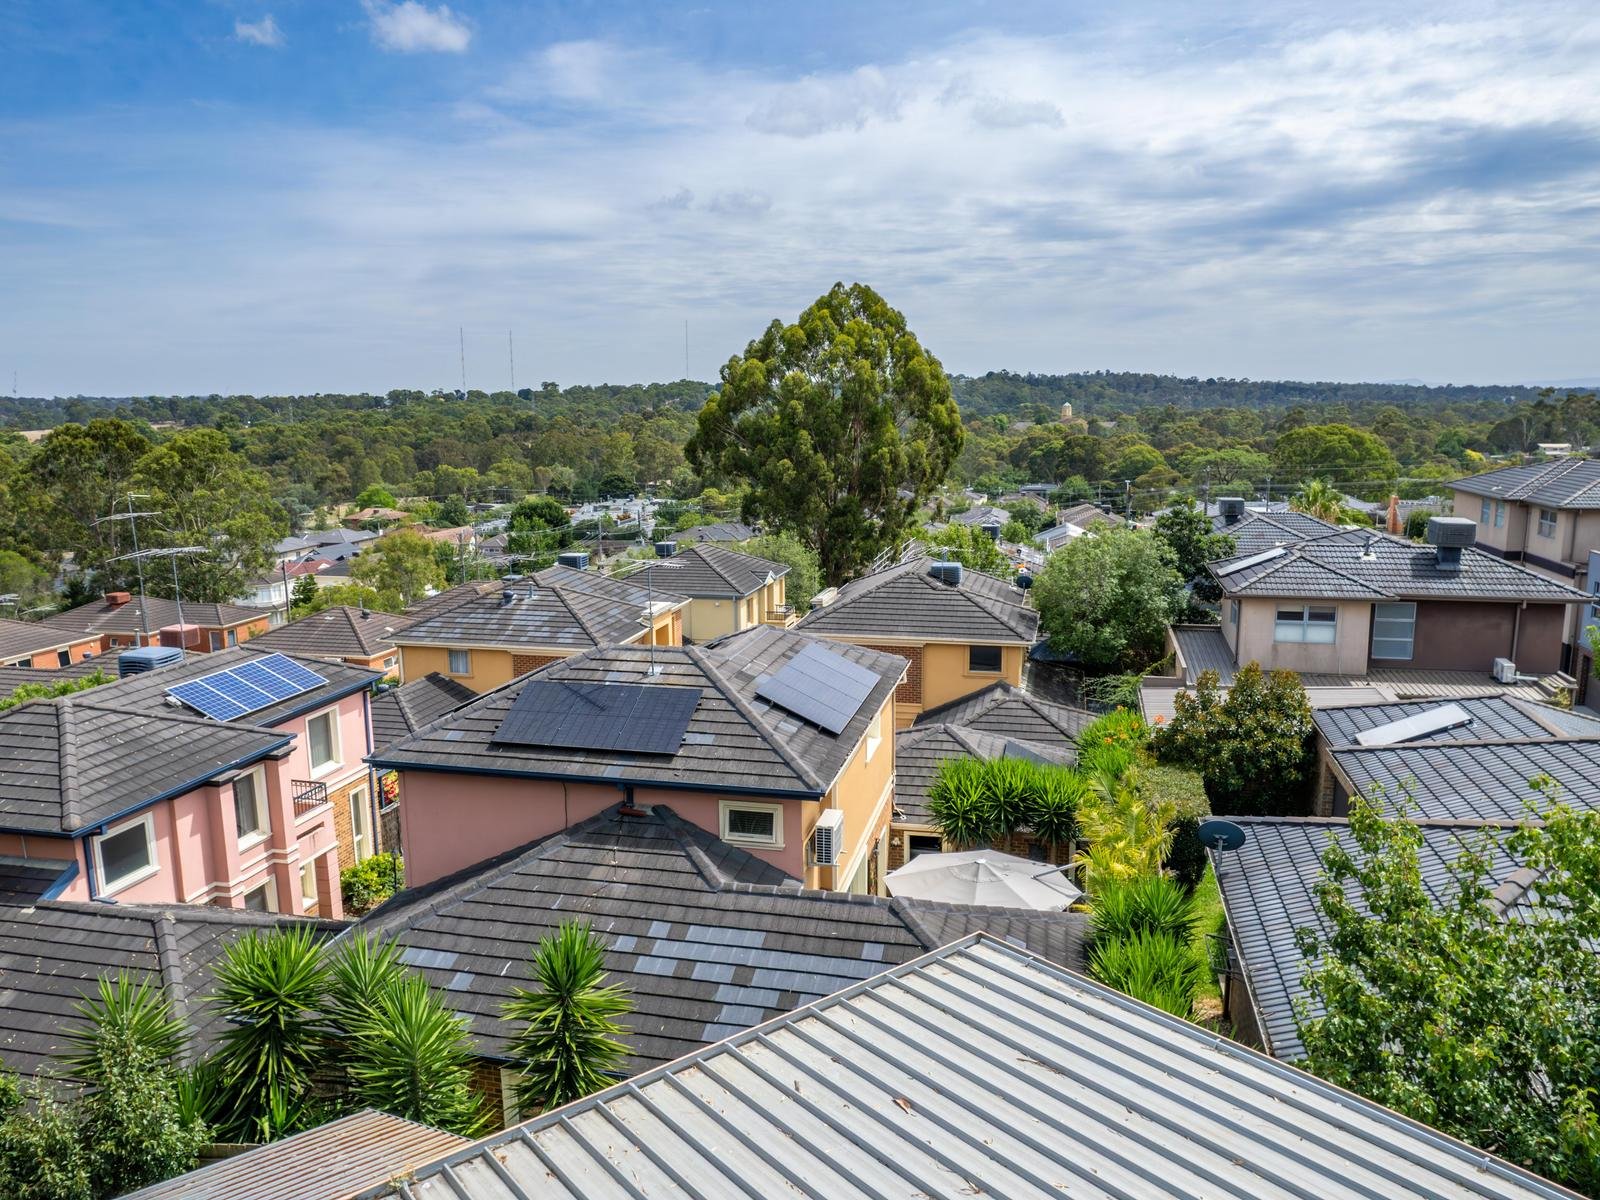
(127, 795)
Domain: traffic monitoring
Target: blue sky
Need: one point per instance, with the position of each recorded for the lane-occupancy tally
(312, 195)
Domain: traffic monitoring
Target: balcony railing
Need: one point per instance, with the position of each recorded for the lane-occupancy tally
(308, 795)
(781, 615)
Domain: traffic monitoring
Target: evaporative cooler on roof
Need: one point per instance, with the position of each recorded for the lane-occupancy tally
(820, 686)
(238, 691)
(574, 715)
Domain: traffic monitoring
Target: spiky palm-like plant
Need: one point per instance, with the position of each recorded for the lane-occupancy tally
(1128, 835)
(571, 1044)
(271, 988)
(1149, 904)
(959, 803)
(123, 1014)
(1154, 967)
(359, 972)
(1319, 498)
(410, 1055)
(1053, 804)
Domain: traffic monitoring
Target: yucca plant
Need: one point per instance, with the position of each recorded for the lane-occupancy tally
(571, 1044)
(358, 974)
(959, 803)
(123, 1014)
(271, 988)
(410, 1055)
(1053, 805)
(1150, 904)
(1009, 784)
(1154, 967)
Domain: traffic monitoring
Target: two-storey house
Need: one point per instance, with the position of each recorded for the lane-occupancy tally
(728, 591)
(122, 621)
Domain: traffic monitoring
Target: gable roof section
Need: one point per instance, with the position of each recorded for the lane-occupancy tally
(905, 602)
(101, 616)
(978, 1069)
(1486, 781)
(21, 639)
(715, 531)
(1368, 565)
(735, 740)
(1257, 531)
(922, 749)
(982, 514)
(400, 711)
(708, 939)
(338, 632)
(1561, 483)
(1269, 891)
(707, 570)
(1496, 718)
(55, 953)
(148, 692)
(74, 763)
(1011, 712)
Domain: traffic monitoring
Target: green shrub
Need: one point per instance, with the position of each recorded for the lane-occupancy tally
(1156, 968)
(976, 802)
(1151, 904)
(1109, 745)
(370, 882)
(958, 801)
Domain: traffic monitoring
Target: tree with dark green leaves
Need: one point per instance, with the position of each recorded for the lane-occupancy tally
(303, 595)
(403, 563)
(804, 579)
(1357, 461)
(965, 544)
(375, 495)
(1108, 598)
(1187, 531)
(841, 424)
(1438, 1004)
(571, 1041)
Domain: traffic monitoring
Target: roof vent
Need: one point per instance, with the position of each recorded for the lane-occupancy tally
(148, 658)
(1456, 532)
(1369, 549)
(1231, 508)
(666, 549)
(827, 838)
(578, 560)
(992, 530)
(507, 598)
(946, 572)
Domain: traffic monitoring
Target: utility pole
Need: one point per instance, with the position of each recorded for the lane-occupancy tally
(1127, 485)
(461, 334)
(686, 347)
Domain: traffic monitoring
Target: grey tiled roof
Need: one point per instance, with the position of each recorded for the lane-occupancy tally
(72, 763)
(11, 678)
(338, 632)
(979, 1070)
(1257, 531)
(1368, 565)
(401, 711)
(711, 571)
(23, 881)
(1486, 781)
(148, 692)
(922, 749)
(904, 601)
(983, 514)
(734, 738)
(1493, 717)
(430, 606)
(101, 616)
(1011, 712)
(558, 608)
(708, 939)
(53, 955)
(1269, 891)
(1561, 483)
(716, 531)
(19, 639)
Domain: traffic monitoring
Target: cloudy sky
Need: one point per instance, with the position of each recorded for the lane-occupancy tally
(313, 195)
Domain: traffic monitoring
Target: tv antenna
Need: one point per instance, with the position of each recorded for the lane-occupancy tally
(686, 347)
(132, 518)
(171, 553)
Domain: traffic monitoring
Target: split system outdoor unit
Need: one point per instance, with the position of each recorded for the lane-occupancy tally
(827, 838)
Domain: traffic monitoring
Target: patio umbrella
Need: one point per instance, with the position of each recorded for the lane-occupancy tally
(985, 877)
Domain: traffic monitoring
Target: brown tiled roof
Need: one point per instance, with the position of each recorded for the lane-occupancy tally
(101, 616)
(21, 639)
(339, 632)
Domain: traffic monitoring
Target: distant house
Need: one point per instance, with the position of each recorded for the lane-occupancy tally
(985, 517)
(1253, 532)
(1072, 523)
(485, 635)
(37, 644)
(359, 636)
(728, 591)
(960, 630)
(456, 537)
(122, 620)
(377, 515)
(725, 532)
(761, 738)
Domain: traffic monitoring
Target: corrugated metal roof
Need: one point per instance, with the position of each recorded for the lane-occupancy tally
(331, 1162)
(977, 1070)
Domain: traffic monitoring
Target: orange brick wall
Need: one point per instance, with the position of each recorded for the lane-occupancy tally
(521, 664)
(910, 689)
(340, 799)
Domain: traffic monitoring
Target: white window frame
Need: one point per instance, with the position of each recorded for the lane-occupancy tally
(450, 662)
(1410, 623)
(110, 887)
(743, 839)
(1547, 529)
(1305, 625)
(258, 779)
(360, 833)
(874, 734)
(337, 761)
(1233, 612)
(269, 885)
(308, 873)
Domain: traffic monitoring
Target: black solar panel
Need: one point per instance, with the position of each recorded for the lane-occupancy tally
(570, 715)
(821, 686)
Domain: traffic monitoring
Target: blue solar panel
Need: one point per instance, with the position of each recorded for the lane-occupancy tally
(821, 686)
(232, 693)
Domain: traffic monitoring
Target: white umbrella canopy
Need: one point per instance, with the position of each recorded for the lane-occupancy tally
(983, 877)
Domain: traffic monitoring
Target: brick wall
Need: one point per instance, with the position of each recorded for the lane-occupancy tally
(339, 797)
(521, 664)
(486, 1082)
(910, 689)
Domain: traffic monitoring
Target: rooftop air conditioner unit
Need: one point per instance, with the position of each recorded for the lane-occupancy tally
(147, 658)
(827, 838)
(666, 549)
(1231, 509)
(946, 572)
(1505, 671)
(578, 560)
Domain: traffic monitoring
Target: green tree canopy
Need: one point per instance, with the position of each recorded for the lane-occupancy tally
(402, 563)
(828, 420)
(1108, 598)
(966, 544)
(804, 579)
(375, 495)
(1187, 531)
(1358, 462)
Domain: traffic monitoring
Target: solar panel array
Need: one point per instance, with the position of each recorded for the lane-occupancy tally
(246, 688)
(820, 686)
(574, 715)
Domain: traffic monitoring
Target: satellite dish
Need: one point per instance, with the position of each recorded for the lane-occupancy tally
(1220, 834)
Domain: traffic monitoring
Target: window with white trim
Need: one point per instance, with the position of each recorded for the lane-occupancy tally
(461, 662)
(322, 740)
(1233, 612)
(263, 898)
(308, 886)
(250, 806)
(126, 853)
(1394, 628)
(1499, 513)
(215, 640)
(359, 831)
(752, 824)
(1306, 624)
(1547, 522)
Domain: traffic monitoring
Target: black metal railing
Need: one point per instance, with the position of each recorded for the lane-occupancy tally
(307, 795)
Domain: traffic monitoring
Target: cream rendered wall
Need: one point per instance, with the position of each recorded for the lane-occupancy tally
(945, 676)
(705, 618)
(1346, 655)
(863, 792)
(1504, 537)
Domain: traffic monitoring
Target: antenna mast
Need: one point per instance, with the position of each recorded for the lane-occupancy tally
(686, 347)
(132, 518)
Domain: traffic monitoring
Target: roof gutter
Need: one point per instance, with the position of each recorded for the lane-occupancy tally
(378, 760)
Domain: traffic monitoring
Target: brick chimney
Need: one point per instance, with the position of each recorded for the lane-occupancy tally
(118, 599)
(1394, 514)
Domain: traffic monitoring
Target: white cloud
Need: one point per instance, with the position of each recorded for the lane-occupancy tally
(825, 103)
(1007, 112)
(409, 27)
(264, 32)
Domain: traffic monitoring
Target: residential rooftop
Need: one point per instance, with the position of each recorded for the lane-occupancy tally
(21, 640)
(976, 1070)
(342, 631)
(1011, 712)
(905, 601)
(398, 712)
(1487, 780)
(714, 531)
(920, 751)
(710, 571)
(734, 739)
(1496, 718)
(108, 616)
(981, 515)
(707, 938)
(1560, 483)
(1258, 531)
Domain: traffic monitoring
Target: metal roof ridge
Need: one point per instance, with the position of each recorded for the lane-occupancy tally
(713, 674)
(67, 763)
